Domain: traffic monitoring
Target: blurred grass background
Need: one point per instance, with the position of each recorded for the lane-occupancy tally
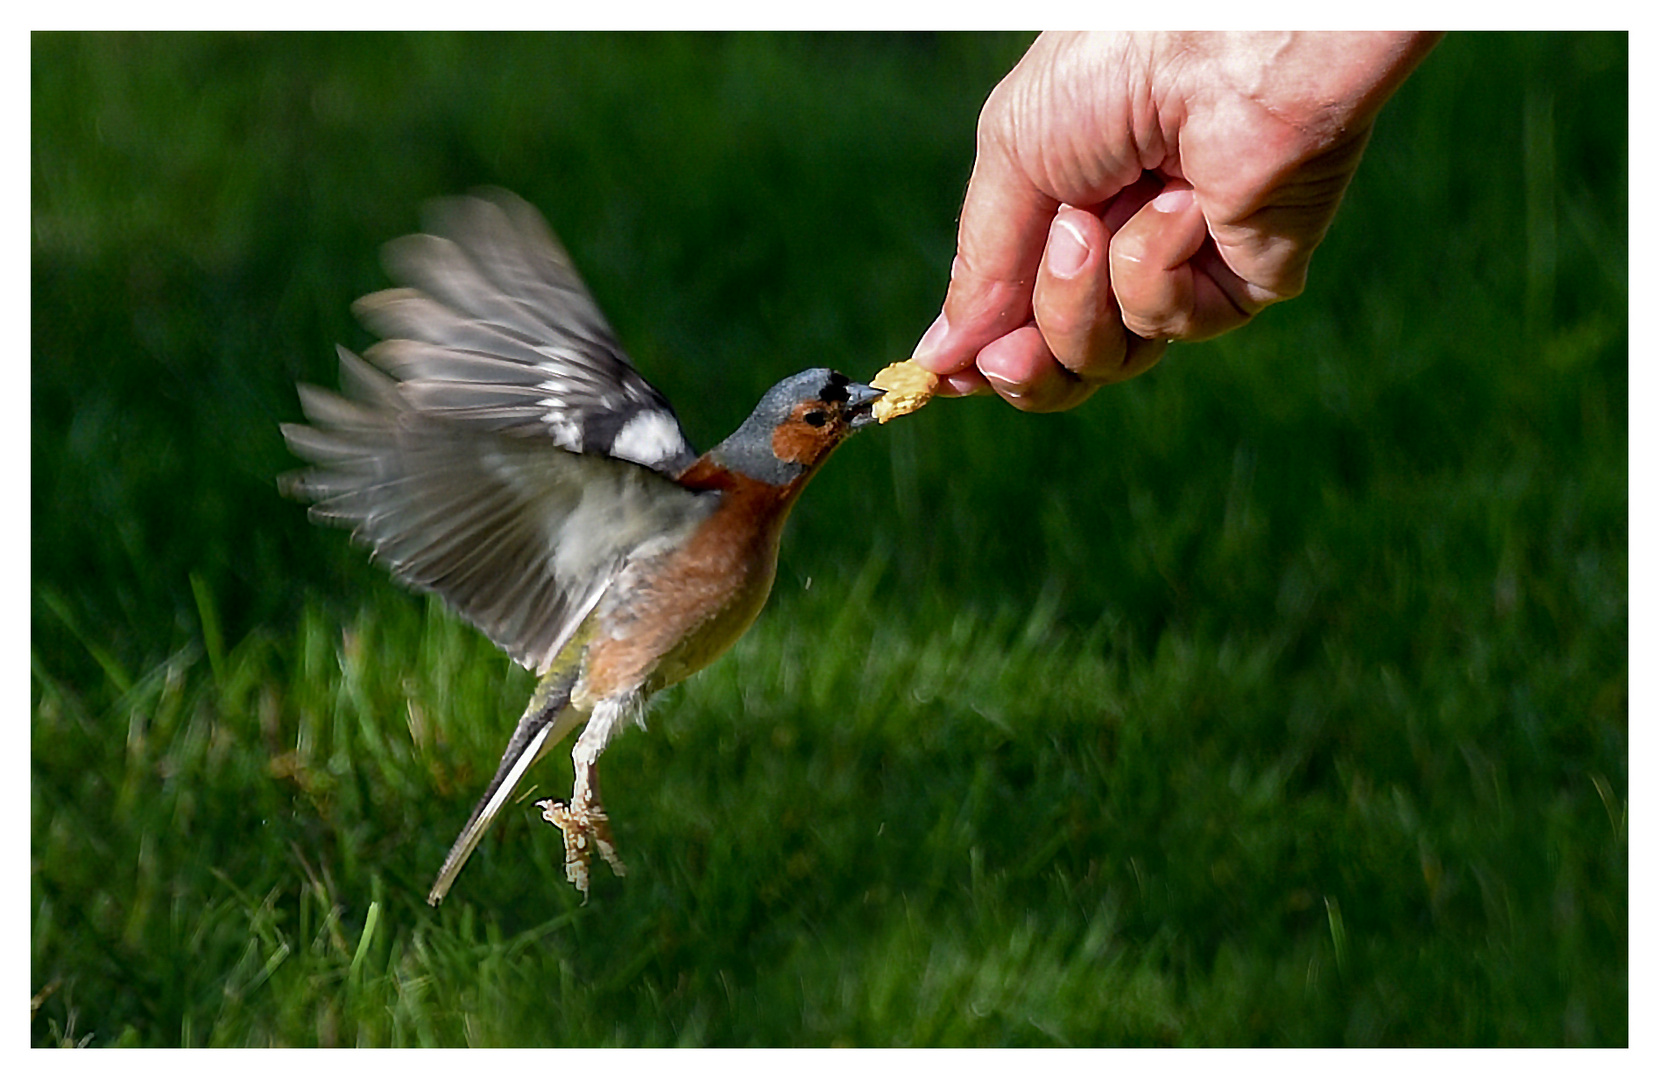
(1276, 697)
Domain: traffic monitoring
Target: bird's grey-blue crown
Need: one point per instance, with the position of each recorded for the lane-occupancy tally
(749, 449)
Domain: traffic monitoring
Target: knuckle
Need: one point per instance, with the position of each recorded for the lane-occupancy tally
(991, 127)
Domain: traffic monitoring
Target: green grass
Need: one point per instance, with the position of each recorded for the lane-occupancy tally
(1278, 697)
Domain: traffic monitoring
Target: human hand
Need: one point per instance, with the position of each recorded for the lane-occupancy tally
(1134, 189)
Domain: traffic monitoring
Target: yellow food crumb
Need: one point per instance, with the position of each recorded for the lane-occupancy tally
(908, 389)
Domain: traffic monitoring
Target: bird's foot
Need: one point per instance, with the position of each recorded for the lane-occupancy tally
(587, 828)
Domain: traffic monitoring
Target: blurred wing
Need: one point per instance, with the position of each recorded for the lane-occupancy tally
(496, 332)
(521, 537)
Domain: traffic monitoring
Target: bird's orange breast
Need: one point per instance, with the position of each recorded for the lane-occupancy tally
(673, 614)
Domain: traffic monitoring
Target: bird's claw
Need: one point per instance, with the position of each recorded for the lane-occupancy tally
(586, 828)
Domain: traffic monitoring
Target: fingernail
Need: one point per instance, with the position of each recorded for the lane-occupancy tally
(1003, 386)
(1067, 249)
(932, 340)
(964, 383)
(1173, 201)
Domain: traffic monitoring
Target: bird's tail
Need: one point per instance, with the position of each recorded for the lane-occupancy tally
(545, 722)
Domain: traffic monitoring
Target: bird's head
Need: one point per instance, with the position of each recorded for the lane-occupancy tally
(796, 425)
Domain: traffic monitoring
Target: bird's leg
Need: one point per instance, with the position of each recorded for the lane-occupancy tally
(583, 820)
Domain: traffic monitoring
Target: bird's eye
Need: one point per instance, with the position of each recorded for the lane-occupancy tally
(816, 417)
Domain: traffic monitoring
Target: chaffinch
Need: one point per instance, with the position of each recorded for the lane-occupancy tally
(498, 449)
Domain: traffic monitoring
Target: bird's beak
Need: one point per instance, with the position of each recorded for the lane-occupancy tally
(859, 400)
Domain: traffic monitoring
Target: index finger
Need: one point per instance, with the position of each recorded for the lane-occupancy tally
(1000, 240)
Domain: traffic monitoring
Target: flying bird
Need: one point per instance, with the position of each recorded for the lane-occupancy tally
(498, 448)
